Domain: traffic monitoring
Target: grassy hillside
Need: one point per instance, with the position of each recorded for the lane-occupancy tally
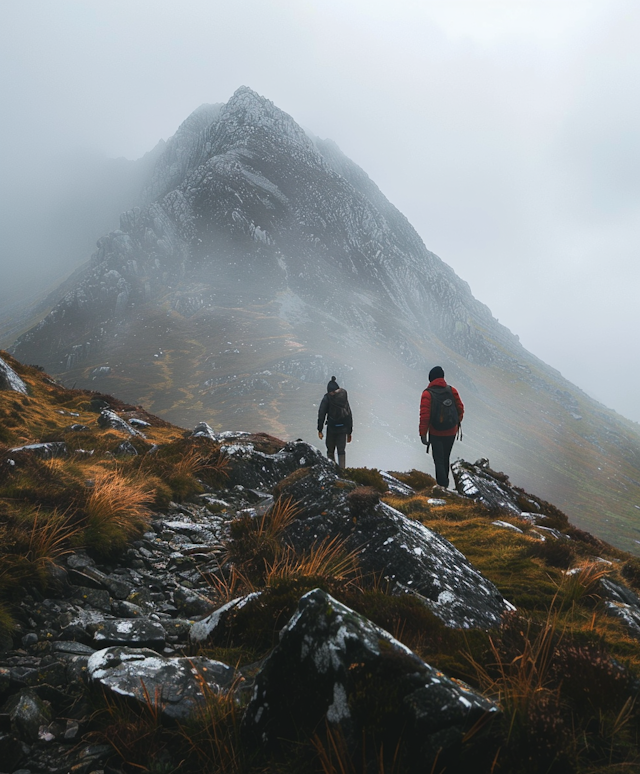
(262, 369)
(563, 671)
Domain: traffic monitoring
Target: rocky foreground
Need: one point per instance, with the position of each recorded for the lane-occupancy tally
(167, 628)
(134, 627)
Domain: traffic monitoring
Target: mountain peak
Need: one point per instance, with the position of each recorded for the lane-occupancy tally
(263, 262)
(247, 113)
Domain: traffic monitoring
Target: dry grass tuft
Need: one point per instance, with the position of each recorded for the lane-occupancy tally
(33, 540)
(362, 499)
(181, 465)
(416, 479)
(516, 683)
(336, 757)
(326, 560)
(136, 733)
(115, 512)
(229, 584)
(583, 584)
(212, 737)
(256, 541)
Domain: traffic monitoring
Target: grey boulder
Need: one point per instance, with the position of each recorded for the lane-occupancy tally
(109, 418)
(128, 631)
(178, 686)
(333, 666)
(43, 450)
(9, 379)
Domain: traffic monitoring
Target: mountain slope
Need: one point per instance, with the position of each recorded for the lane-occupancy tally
(264, 262)
(288, 613)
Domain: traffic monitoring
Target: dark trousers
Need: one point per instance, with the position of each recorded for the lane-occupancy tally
(441, 446)
(336, 441)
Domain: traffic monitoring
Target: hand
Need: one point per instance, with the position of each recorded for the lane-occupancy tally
(320, 436)
(423, 438)
(348, 439)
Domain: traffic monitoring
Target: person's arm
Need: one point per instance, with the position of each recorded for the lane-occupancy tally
(425, 413)
(322, 413)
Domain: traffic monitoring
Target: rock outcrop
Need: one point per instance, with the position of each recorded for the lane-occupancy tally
(410, 557)
(329, 652)
(175, 685)
(9, 379)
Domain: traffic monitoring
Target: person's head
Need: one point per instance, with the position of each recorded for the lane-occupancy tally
(333, 385)
(436, 373)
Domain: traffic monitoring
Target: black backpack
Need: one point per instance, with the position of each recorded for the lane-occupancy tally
(339, 411)
(444, 414)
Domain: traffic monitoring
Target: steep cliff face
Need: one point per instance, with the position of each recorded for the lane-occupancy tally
(264, 262)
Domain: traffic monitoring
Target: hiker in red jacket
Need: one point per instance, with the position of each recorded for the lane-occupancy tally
(441, 412)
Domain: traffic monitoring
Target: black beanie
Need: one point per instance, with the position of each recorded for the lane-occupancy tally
(436, 373)
(333, 385)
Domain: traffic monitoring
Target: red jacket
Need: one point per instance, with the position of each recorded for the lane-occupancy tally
(425, 410)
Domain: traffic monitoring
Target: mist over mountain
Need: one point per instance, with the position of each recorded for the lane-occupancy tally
(50, 223)
(262, 262)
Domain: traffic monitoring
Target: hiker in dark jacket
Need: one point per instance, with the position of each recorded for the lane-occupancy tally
(335, 409)
(442, 428)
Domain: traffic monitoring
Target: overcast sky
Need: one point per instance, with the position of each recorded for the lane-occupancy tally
(507, 131)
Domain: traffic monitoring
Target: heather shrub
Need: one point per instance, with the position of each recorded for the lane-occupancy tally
(365, 477)
(362, 499)
(416, 479)
(556, 553)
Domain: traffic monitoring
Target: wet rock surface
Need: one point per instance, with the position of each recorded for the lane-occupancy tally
(43, 450)
(148, 599)
(491, 488)
(341, 659)
(622, 603)
(174, 684)
(109, 418)
(135, 625)
(262, 461)
(9, 379)
(411, 557)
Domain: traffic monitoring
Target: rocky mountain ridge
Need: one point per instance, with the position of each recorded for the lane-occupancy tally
(265, 261)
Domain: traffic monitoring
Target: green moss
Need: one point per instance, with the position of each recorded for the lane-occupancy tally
(365, 477)
(416, 479)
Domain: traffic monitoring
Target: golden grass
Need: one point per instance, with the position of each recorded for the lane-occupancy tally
(115, 512)
(521, 681)
(212, 736)
(256, 541)
(181, 465)
(209, 741)
(334, 756)
(230, 584)
(134, 731)
(32, 542)
(327, 560)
